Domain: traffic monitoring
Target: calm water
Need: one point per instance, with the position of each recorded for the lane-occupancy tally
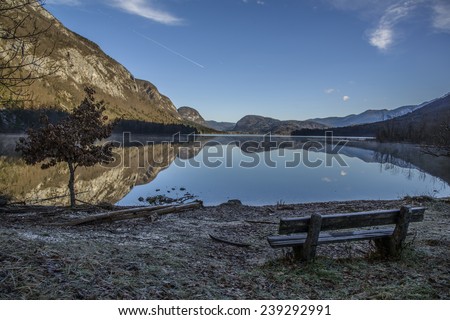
(255, 170)
(219, 171)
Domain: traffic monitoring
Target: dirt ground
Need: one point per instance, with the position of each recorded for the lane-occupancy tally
(174, 257)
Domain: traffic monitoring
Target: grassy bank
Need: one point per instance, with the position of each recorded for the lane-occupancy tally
(174, 257)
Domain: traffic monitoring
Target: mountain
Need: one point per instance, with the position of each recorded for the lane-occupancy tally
(192, 115)
(420, 126)
(75, 62)
(261, 125)
(220, 126)
(193, 119)
(368, 116)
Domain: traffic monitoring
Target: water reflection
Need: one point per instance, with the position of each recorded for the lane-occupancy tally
(145, 164)
(94, 185)
(368, 173)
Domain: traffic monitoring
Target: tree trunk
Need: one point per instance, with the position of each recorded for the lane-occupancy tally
(71, 184)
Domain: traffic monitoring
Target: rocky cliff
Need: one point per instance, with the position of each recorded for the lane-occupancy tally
(75, 62)
(192, 115)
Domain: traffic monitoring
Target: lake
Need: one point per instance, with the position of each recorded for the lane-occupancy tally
(257, 170)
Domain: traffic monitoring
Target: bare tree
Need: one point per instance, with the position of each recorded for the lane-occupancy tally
(23, 58)
(72, 140)
(441, 142)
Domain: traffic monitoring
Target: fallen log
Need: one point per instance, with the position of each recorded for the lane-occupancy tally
(236, 244)
(112, 214)
(134, 213)
(159, 212)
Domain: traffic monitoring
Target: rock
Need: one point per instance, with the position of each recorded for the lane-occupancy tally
(3, 202)
(106, 205)
(234, 202)
(4, 199)
(190, 114)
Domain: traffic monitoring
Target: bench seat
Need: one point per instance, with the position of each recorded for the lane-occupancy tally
(388, 228)
(293, 240)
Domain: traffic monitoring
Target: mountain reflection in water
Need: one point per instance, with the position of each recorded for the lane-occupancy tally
(150, 166)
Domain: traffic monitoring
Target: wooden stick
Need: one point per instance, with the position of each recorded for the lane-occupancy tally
(236, 244)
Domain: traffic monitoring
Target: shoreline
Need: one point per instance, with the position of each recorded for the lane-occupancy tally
(174, 257)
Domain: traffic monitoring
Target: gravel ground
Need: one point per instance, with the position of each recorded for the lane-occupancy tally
(174, 257)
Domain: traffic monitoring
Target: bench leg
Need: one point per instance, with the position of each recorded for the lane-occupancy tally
(298, 253)
(307, 252)
(393, 245)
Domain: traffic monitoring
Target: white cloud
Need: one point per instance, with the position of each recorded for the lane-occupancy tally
(387, 15)
(367, 8)
(147, 10)
(384, 35)
(64, 2)
(441, 16)
(326, 179)
(330, 91)
(343, 173)
(382, 38)
(258, 2)
(345, 98)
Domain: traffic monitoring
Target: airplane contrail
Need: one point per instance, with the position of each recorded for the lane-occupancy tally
(168, 49)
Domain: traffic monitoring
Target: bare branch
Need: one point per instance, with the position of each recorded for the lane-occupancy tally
(441, 143)
(23, 58)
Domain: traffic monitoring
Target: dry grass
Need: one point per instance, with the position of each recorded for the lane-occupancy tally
(173, 258)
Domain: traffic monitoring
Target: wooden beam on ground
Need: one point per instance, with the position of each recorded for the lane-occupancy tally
(233, 243)
(134, 213)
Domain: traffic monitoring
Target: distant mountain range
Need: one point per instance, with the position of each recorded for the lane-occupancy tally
(261, 125)
(220, 126)
(249, 124)
(368, 116)
(423, 125)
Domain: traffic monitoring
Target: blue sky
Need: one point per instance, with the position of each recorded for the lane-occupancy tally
(287, 59)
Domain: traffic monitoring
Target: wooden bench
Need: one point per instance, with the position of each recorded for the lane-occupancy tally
(304, 234)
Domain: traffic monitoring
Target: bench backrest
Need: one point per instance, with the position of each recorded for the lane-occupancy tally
(338, 221)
